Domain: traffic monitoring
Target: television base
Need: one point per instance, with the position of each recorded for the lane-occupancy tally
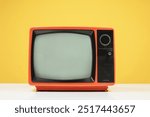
(71, 88)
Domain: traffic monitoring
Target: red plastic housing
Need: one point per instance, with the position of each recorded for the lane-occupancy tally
(76, 86)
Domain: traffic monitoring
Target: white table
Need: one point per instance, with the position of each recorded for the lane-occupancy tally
(116, 92)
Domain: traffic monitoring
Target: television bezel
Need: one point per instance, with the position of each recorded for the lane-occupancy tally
(89, 33)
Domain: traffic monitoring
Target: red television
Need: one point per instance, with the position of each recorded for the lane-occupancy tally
(71, 58)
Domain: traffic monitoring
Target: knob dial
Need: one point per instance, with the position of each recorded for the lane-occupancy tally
(105, 39)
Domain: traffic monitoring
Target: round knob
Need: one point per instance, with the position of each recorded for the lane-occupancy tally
(105, 39)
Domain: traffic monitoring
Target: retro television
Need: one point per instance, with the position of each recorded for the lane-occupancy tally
(71, 58)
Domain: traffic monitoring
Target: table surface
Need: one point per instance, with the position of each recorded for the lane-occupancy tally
(116, 92)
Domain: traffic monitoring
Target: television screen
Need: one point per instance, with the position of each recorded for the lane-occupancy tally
(62, 56)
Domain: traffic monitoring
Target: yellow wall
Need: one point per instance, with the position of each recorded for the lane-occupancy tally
(129, 18)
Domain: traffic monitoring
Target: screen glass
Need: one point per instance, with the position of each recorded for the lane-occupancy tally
(62, 56)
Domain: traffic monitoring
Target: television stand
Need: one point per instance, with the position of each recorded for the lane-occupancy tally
(71, 88)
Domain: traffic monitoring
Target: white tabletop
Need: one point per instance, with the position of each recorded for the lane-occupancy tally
(116, 92)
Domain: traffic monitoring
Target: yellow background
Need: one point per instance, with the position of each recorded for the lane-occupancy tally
(129, 18)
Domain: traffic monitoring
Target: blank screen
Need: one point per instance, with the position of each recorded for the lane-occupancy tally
(62, 56)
